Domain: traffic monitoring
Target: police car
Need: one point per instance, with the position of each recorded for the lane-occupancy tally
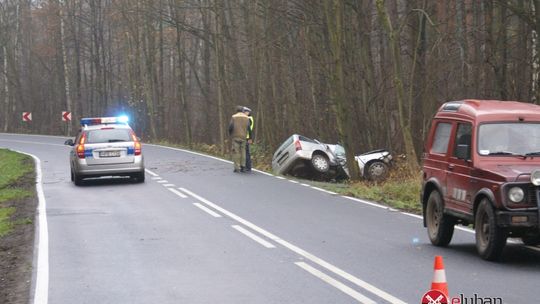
(106, 146)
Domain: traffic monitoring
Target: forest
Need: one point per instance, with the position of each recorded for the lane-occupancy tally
(365, 73)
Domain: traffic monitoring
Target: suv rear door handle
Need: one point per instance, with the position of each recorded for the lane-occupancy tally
(451, 167)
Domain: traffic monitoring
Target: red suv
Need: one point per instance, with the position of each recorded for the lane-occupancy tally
(481, 166)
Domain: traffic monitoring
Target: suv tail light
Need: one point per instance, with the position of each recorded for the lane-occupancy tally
(80, 146)
(137, 144)
(297, 145)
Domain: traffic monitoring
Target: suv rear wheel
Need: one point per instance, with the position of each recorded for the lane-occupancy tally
(440, 226)
(490, 239)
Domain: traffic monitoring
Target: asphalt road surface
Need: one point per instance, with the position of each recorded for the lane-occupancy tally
(195, 232)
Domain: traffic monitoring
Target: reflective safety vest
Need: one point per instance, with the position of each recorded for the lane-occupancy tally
(250, 126)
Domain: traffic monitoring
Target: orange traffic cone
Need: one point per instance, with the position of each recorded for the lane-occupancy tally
(439, 277)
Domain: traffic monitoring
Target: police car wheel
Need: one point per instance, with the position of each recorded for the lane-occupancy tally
(440, 226)
(490, 238)
(72, 177)
(139, 177)
(77, 179)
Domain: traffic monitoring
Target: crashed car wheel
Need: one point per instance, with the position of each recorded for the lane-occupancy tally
(376, 171)
(320, 163)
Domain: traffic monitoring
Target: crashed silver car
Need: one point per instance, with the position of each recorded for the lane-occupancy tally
(306, 157)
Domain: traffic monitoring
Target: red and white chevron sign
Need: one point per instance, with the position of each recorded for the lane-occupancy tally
(27, 116)
(66, 116)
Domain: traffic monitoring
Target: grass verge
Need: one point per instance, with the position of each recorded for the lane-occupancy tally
(17, 172)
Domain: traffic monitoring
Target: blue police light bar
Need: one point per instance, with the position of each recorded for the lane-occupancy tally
(104, 120)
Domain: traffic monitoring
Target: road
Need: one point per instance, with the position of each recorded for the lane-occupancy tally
(195, 232)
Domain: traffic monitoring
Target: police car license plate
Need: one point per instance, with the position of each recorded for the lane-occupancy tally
(109, 154)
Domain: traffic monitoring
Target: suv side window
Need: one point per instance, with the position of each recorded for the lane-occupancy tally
(441, 138)
(463, 136)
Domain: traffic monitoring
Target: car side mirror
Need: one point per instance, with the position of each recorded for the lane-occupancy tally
(463, 152)
(69, 142)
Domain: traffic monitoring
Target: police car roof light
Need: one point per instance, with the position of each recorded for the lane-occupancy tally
(103, 120)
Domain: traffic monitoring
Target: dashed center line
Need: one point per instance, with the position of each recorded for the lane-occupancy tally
(168, 185)
(182, 195)
(337, 284)
(150, 172)
(207, 210)
(254, 237)
(163, 181)
(156, 178)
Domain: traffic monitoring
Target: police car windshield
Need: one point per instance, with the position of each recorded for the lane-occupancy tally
(108, 136)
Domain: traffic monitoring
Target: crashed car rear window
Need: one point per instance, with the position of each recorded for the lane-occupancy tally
(107, 136)
(302, 138)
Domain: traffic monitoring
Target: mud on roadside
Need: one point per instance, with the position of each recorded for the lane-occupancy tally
(16, 248)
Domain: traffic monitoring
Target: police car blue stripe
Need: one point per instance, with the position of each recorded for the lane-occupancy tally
(88, 153)
(130, 150)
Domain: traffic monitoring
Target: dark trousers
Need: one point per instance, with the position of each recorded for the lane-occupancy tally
(248, 157)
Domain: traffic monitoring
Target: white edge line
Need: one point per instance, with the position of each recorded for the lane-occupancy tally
(254, 237)
(323, 190)
(41, 293)
(182, 195)
(262, 172)
(191, 152)
(305, 185)
(279, 177)
(151, 173)
(207, 210)
(293, 181)
(163, 181)
(168, 185)
(365, 202)
(388, 297)
(335, 283)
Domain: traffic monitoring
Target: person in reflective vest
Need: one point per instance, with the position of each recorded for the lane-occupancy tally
(249, 138)
(238, 130)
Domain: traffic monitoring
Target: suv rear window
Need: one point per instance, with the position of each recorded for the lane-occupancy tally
(107, 136)
(441, 138)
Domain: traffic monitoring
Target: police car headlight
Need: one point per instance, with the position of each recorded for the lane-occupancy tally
(535, 177)
(516, 194)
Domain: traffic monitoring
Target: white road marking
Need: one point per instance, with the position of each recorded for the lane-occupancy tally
(163, 181)
(156, 178)
(207, 210)
(280, 177)
(182, 195)
(150, 172)
(262, 172)
(191, 152)
(364, 202)
(323, 190)
(380, 293)
(342, 287)
(293, 181)
(305, 185)
(41, 293)
(254, 237)
(168, 185)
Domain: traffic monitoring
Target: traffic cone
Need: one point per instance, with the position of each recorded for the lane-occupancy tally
(439, 276)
